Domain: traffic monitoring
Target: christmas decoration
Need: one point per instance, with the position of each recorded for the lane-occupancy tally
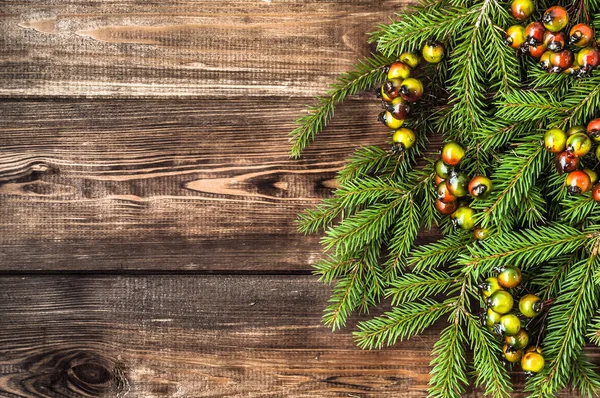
(523, 217)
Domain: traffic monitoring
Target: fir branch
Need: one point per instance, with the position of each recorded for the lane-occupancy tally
(321, 217)
(577, 208)
(489, 372)
(362, 228)
(366, 75)
(412, 286)
(594, 330)
(449, 373)
(414, 29)
(401, 323)
(360, 287)
(525, 249)
(407, 227)
(513, 179)
(366, 161)
(523, 105)
(583, 100)
(584, 377)
(434, 255)
(567, 325)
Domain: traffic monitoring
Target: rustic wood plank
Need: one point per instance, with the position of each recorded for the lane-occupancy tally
(193, 48)
(180, 185)
(211, 336)
(188, 337)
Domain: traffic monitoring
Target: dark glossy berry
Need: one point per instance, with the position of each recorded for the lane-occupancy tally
(411, 89)
(555, 18)
(404, 139)
(593, 129)
(555, 140)
(433, 52)
(515, 36)
(437, 180)
(579, 144)
(492, 319)
(592, 174)
(588, 58)
(545, 60)
(578, 182)
(489, 286)
(537, 50)
(445, 208)
(510, 325)
(398, 70)
(532, 362)
(511, 354)
(534, 33)
(442, 169)
(522, 9)
(555, 41)
(581, 35)
(481, 233)
(519, 341)
(509, 277)
(561, 60)
(410, 59)
(452, 153)
(390, 121)
(531, 305)
(576, 129)
(443, 193)
(566, 162)
(399, 108)
(384, 97)
(480, 187)
(391, 88)
(464, 218)
(596, 192)
(573, 70)
(458, 183)
(501, 302)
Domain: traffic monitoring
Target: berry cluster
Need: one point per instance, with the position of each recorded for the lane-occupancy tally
(500, 318)
(400, 89)
(547, 40)
(570, 146)
(453, 186)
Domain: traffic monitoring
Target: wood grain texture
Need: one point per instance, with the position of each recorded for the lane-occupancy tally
(211, 336)
(165, 185)
(188, 337)
(191, 48)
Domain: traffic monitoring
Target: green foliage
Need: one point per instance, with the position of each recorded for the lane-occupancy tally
(403, 322)
(567, 326)
(489, 371)
(498, 106)
(366, 75)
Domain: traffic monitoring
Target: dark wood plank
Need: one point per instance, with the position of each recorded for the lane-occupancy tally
(194, 48)
(188, 337)
(179, 185)
(212, 336)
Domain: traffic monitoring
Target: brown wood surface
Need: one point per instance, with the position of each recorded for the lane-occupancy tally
(147, 202)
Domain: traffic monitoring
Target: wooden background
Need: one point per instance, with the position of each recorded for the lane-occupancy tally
(147, 201)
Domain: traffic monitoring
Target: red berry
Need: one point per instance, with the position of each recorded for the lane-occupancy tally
(596, 192)
(593, 129)
(555, 41)
(522, 9)
(534, 33)
(561, 60)
(446, 208)
(581, 35)
(578, 182)
(566, 162)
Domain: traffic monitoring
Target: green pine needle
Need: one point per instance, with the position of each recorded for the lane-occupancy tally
(366, 75)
